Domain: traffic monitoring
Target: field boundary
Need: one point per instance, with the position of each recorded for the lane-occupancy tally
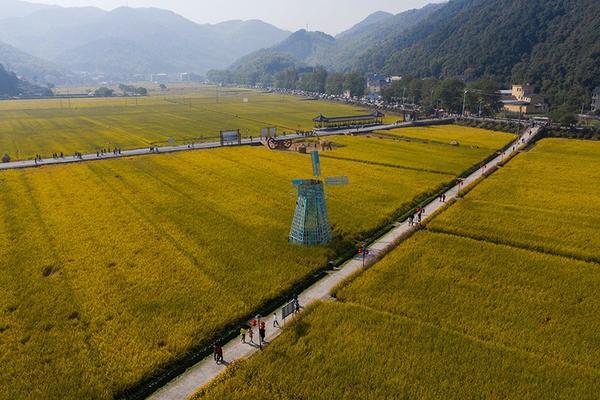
(203, 372)
(516, 245)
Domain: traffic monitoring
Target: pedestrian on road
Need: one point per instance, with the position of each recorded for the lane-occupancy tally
(243, 333)
(251, 334)
(296, 305)
(262, 332)
(411, 220)
(275, 321)
(219, 351)
(216, 352)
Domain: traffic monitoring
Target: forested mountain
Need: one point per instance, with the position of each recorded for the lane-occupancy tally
(351, 46)
(307, 47)
(375, 18)
(316, 48)
(32, 68)
(133, 40)
(11, 86)
(554, 44)
(9, 83)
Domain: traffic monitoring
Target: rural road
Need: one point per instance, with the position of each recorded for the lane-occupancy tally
(197, 146)
(202, 373)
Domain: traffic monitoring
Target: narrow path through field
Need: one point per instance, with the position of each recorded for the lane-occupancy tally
(196, 146)
(202, 373)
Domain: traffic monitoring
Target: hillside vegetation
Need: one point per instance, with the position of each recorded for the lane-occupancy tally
(553, 44)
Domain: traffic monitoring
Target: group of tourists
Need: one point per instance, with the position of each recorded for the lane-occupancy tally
(102, 152)
(247, 332)
(56, 156)
(416, 219)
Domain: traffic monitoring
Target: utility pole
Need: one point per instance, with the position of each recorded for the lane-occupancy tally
(464, 103)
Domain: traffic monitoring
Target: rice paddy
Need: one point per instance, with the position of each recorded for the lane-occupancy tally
(495, 299)
(113, 269)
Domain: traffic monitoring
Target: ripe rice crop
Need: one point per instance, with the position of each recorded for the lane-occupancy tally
(446, 316)
(30, 127)
(440, 317)
(447, 134)
(346, 351)
(522, 300)
(434, 156)
(551, 193)
(112, 269)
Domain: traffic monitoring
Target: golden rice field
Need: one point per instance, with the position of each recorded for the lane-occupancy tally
(347, 351)
(552, 194)
(420, 155)
(448, 316)
(112, 269)
(29, 127)
(440, 317)
(447, 134)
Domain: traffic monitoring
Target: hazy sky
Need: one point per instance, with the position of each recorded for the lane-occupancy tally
(331, 16)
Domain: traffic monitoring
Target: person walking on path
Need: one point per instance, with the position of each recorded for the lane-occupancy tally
(219, 354)
(411, 220)
(243, 333)
(216, 352)
(262, 332)
(275, 321)
(296, 305)
(251, 335)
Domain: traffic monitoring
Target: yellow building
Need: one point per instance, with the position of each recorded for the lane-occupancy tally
(521, 99)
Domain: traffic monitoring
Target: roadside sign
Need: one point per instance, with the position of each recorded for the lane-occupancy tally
(288, 309)
(364, 252)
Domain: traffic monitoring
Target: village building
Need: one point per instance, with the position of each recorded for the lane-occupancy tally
(377, 83)
(522, 99)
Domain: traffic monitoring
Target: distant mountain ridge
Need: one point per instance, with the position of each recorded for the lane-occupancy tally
(31, 68)
(12, 86)
(17, 8)
(129, 41)
(304, 48)
(553, 44)
(363, 25)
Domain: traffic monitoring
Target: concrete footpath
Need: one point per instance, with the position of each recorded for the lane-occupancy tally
(196, 146)
(202, 373)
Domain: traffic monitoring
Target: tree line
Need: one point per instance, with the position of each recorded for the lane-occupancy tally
(309, 79)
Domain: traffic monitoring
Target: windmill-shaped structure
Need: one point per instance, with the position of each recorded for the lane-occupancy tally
(310, 226)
